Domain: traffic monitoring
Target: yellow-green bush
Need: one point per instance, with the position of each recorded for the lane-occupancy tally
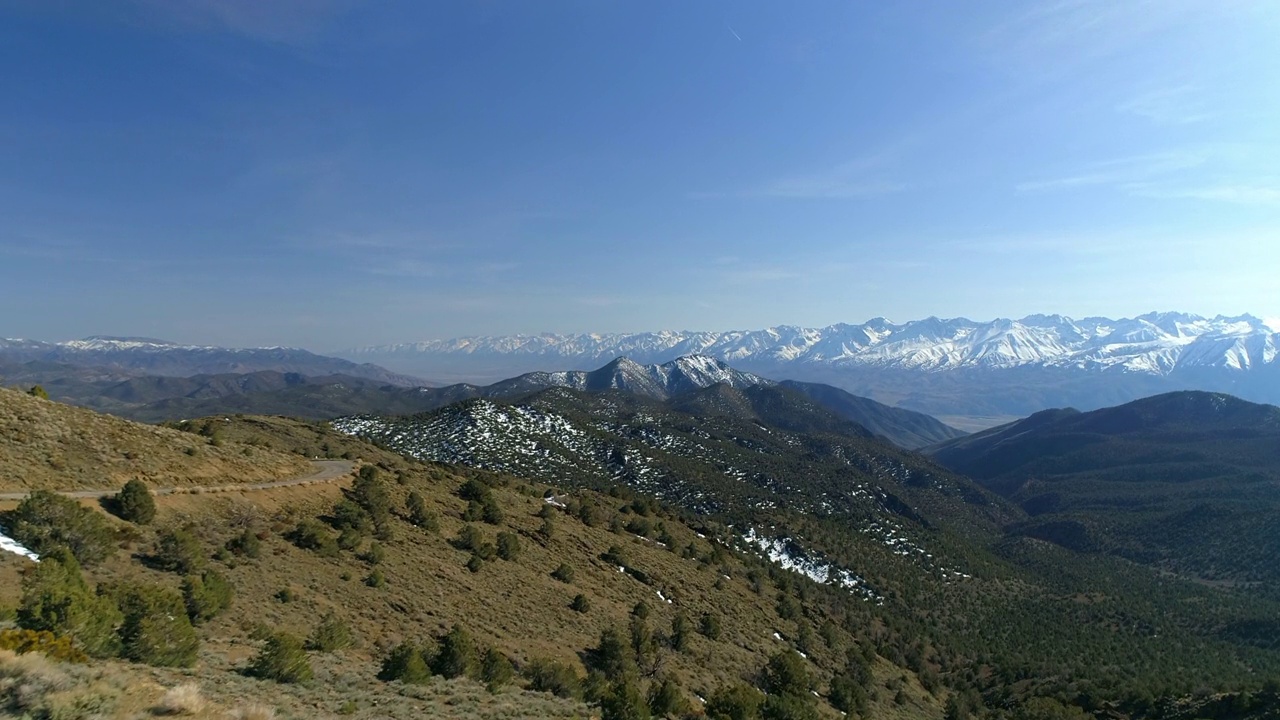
(56, 647)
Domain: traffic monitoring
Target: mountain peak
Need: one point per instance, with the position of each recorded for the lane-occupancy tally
(129, 339)
(1157, 343)
(622, 362)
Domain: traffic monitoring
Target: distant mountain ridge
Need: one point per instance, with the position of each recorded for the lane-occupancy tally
(148, 356)
(938, 366)
(1156, 343)
(327, 397)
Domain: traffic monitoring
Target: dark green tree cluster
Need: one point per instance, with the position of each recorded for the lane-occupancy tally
(179, 550)
(283, 658)
(787, 694)
(331, 635)
(134, 503)
(481, 503)
(709, 626)
(849, 687)
(564, 573)
(585, 510)
(552, 676)
(156, 629)
(619, 664)
(418, 515)
(245, 544)
(454, 654)
(366, 508)
(206, 595)
(143, 623)
(472, 539)
(313, 536)
(57, 599)
(508, 546)
(46, 520)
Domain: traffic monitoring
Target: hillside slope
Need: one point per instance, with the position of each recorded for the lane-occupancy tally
(904, 428)
(1188, 481)
(903, 594)
(426, 586)
(48, 445)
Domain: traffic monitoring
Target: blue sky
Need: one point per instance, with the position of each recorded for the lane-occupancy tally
(332, 173)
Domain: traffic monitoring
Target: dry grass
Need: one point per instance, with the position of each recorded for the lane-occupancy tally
(514, 606)
(26, 679)
(31, 685)
(48, 445)
(184, 699)
(254, 712)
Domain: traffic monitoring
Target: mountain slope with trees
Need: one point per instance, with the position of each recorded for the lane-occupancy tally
(1186, 481)
(947, 561)
(848, 575)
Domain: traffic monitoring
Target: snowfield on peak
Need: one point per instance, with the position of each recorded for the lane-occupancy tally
(1156, 343)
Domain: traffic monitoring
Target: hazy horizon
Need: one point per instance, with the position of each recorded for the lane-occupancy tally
(339, 174)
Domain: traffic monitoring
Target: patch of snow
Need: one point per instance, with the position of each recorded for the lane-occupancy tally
(787, 554)
(9, 545)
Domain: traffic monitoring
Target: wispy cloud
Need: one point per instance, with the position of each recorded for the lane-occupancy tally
(1111, 249)
(1209, 174)
(1170, 106)
(1120, 171)
(1058, 35)
(1237, 194)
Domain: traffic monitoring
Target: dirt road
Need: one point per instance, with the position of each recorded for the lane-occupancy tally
(325, 471)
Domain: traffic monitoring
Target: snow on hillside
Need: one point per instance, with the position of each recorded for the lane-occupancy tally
(1156, 343)
(9, 545)
(788, 555)
(502, 438)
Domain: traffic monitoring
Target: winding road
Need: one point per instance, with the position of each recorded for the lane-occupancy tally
(324, 471)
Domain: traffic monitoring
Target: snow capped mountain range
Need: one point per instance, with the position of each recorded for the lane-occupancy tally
(954, 368)
(1153, 344)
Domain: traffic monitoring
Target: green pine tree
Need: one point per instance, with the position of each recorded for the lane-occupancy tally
(134, 503)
